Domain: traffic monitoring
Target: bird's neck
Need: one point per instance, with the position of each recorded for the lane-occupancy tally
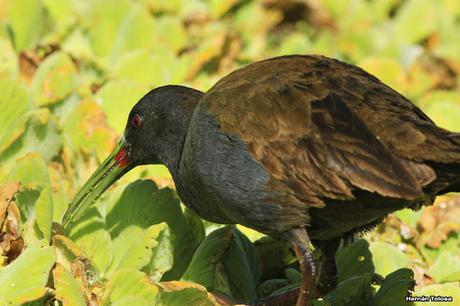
(180, 117)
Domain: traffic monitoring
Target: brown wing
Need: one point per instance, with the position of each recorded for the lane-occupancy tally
(324, 129)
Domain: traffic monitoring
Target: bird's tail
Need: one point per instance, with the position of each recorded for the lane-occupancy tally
(455, 186)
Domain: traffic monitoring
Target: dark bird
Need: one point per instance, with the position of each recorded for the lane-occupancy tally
(306, 149)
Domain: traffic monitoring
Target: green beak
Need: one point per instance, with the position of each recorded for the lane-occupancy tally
(114, 167)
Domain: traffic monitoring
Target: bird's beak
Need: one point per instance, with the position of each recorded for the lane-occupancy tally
(114, 167)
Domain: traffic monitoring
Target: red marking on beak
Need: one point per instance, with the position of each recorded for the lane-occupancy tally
(122, 157)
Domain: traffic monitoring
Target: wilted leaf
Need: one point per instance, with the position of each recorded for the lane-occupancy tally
(66, 250)
(68, 290)
(87, 130)
(25, 279)
(55, 79)
(11, 242)
(184, 293)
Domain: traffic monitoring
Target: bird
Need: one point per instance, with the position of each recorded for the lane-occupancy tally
(304, 148)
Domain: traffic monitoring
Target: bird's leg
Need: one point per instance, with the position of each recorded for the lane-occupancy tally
(308, 268)
(328, 272)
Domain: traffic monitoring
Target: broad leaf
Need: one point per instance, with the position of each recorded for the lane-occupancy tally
(387, 258)
(14, 103)
(354, 260)
(55, 79)
(129, 283)
(395, 287)
(446, 268)
(68, 290)
(28, 30)
(142, 205)
(25, 279)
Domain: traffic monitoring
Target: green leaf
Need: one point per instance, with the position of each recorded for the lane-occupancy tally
(41, 137)
(387, 258)
(14, 103)
(86, 130)
(31, 170)
(354, 260)
(117, 97)
(243, 267)
(78, 45)
(26, 30)
(25, 278)
(410, 14)
(9, 65)
(451, 245)
(226, 261)
(55, 79)
(220, 7)
(103, 22)
(395, 288)
(206, 267)
(68, 290)
(184, 293)
(62, 12)
(152, 69)
(275, 256)
(444, 108)
(128, 282)
(119, 27)
(447, 289)
(446, 268)
(355, 290)
(141, 204)
(44, 212)
(94, 240)
(408, 216)
(133, 247)
(170, 31)
(162, 256)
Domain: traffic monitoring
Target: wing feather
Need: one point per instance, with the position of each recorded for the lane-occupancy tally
(324, 129)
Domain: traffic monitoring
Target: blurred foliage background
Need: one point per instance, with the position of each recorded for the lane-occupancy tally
(70, 71)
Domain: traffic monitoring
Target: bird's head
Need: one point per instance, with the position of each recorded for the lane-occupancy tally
(154, 134)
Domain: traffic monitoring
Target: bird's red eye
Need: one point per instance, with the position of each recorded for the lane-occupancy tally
(136, 121)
